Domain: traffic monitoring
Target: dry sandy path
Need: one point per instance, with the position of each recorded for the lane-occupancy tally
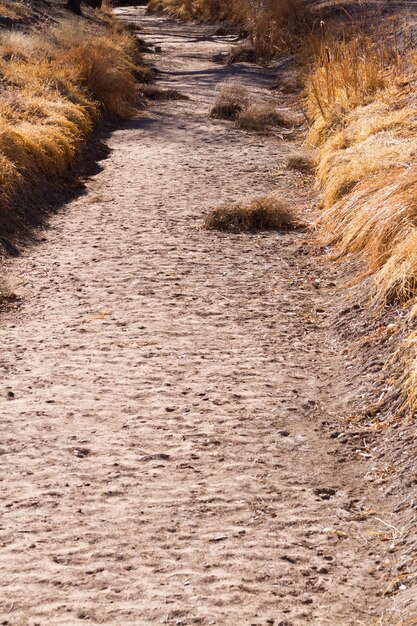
(167, 435)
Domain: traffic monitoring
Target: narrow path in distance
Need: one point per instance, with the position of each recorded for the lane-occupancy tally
(168, 393)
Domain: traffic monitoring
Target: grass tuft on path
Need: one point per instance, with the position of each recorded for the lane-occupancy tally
(230, 102)
(263, 213)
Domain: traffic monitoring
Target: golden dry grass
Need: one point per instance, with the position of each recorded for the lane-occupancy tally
(346, 74)
(277, 27)
(364, 130)
(396, 280)
(231, 101)
(301, 162)
(263, 213)
(367, 173)
(361, 100)
(202, 9)
(57, 83)
(15, 10)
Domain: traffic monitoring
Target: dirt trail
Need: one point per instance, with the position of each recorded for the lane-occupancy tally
(167, 393)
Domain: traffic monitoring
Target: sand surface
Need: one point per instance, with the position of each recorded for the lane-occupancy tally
(169, 394)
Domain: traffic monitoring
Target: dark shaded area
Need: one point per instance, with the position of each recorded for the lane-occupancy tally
(151, 92)
(75, 5)
(129, 3)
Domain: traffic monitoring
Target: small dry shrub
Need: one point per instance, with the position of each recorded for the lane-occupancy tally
(301, 163)
(262, 117)
(263, 213)
(230, 102)
(7, 295)
(244, 53)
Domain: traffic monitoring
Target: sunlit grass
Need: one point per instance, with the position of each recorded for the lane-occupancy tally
(57, 83)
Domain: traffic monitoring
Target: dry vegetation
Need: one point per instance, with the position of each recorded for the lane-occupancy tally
(243, 53)
(361, 100)
(58, 81)
(263, 213)
(300, 162)
(234, 103)
(15, 10)
(230, 102)
(261, 117)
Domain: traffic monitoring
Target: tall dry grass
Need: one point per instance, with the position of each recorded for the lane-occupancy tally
(347, 74)
(361, 100)
(57, 83)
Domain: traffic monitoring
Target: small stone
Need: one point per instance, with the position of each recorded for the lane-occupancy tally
(283, 433)
(81, 452)
(218, 538)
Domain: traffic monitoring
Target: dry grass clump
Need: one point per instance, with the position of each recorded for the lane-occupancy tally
(233, 10)
(291, 82)
(263, 213)
(230, 102)
(244, 53)
(15, 10)
(301, 163)
(234, 103)
(261, 117)
(56, 84)
(7, 295)
(379, 214)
